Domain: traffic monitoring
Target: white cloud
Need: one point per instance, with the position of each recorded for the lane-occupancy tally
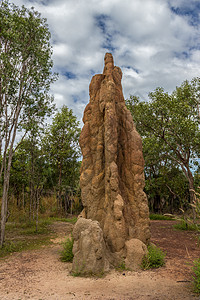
(154, 42)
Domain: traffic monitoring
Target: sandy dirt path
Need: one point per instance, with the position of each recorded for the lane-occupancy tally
(40, 275)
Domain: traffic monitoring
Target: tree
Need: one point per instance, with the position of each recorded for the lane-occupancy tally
(166, 185)
(29, 176)
(19, 174)
(25, 78)
(173, 122)
(62, 150)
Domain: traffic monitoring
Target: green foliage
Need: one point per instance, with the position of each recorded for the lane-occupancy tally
(37, 168)
(25, 56)
(62, 152)
(169, 126)
(32, 230)
(23, 236)
(28, 176)
(20, 245)
(184, 225)
(121, 267)
(196, 277)
(76, 274)
(61, 145)
(29, 228)
(26, 70)
(185, 222)
(166, 187)
(159, 217)
(196, 204)
(154, 259)
(25, 79)
(67, 254)
(72, 220)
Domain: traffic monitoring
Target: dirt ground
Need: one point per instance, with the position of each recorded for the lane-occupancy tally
(40, 275)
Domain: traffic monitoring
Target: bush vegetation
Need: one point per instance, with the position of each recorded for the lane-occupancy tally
(183, 225)
(121, 267)
(154, 259)
(159, 217)
(196, 277)
(67, 254)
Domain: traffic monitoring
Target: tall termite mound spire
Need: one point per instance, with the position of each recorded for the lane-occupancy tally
(112, 171)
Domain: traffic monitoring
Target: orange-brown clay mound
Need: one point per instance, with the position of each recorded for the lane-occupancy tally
(112, 171)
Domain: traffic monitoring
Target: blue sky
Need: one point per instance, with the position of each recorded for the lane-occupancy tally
(156, 43)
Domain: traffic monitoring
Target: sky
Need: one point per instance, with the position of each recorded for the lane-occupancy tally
(156, 43)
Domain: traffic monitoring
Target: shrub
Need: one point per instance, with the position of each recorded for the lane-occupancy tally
(67, 254)
(159, 217)
(184, 225)
(154, 259)
(121, 267)
(196, 277)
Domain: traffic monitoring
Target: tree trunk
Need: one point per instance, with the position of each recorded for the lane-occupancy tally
(30, 201)
(190, 178)
(23, 203)
(59, 204)
(6, 168)
(37, 208)
(192, 193)
(4, 207)
(32, 186)
(4, 204)
(71, 204)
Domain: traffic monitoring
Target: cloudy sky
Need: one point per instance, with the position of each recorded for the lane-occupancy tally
(156, 43)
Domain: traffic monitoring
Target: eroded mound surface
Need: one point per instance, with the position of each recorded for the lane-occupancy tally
(112, 171)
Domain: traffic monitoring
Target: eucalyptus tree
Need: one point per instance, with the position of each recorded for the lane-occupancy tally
(172, 120)
(25, 78)
(19, 175)
(62, 150)
(165, 184)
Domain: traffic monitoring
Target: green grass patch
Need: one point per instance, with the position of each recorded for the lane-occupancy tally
(18, 245)
(154, 259)
(33, 231)
(182, 225)
(29, 228)
(23, 236)
(67, 254)
(159, 217)
(121, 267)
(196, 277)
(68, 220)
(88, 275)
(27, 224)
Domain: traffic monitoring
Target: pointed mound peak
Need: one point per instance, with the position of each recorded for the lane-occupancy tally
(108, 58)
(108, 64)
